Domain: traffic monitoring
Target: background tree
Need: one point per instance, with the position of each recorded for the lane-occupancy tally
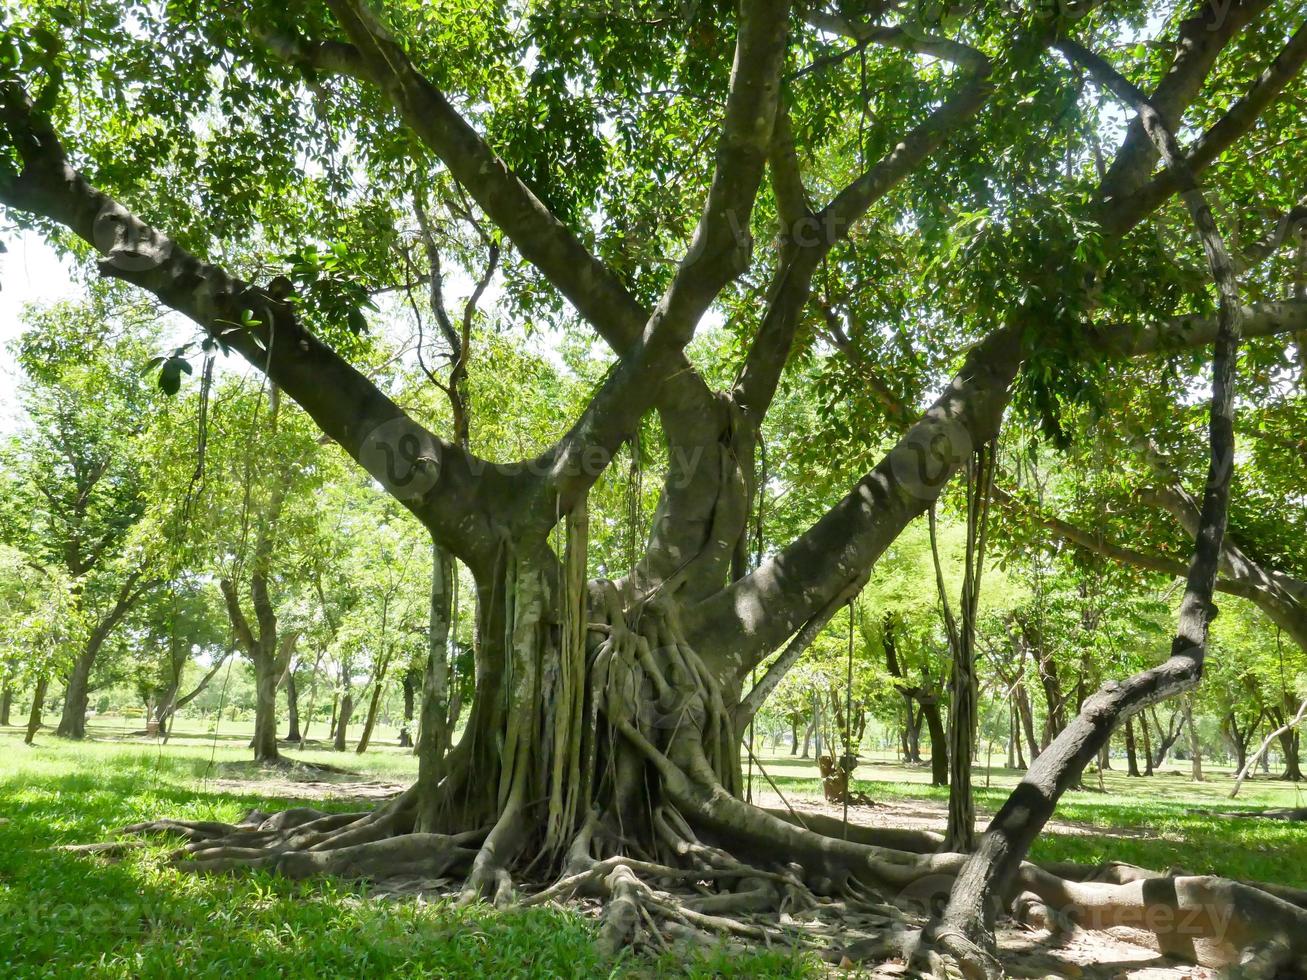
(78, 475)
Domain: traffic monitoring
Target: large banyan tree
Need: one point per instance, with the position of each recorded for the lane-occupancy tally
(960, 203)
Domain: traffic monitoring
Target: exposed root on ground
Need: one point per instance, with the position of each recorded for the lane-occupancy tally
(717, 869)
(610, 779)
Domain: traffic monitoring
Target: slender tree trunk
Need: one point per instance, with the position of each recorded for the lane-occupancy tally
(335, 706)
(1132, 759)
(436, 722)
(1013, 736)
(1105, 758)
(410, 682)
(342, 721)
(266, 680)
(1195, 743)
(1054, 699)
(72, 722)
(1147, 747)
(1167, 737)
(915, 719)
(370, 719)
(38, 702)
(961, 833)
(6, 703)
(1016, 738)
(938, 744)
(313, 698)
(807, 737)
(292, 708)
(1027, 716)
(1238, 741)
(967, 922)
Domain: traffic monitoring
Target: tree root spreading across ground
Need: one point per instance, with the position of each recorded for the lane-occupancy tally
(852, 902)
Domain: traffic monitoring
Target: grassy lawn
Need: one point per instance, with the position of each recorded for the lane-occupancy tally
(65, 915)
(62, 915)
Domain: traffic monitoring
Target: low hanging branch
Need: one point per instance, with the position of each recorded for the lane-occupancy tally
(965, 931)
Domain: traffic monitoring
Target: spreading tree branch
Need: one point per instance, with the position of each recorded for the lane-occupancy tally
(1132, 206)
(1202, 38)
(260, 327)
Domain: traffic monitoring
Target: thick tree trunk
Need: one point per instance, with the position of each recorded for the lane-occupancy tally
(1289, 747)
(38, 703)
(794, 736)
(342, 721)
(266, 681)
(72, 721)
(6, 703)
(292, 708)
(1132, 759)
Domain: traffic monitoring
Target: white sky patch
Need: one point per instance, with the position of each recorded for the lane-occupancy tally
(30, 273)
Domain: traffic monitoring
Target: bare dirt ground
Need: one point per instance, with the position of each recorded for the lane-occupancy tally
(930, 815)
(366, 791)
(1120, 953)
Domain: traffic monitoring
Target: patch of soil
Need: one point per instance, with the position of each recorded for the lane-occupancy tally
(364, 791)
(932, 815)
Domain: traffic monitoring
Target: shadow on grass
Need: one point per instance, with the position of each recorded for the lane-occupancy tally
(64, 914)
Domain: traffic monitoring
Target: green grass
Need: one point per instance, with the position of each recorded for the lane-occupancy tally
(1150, 822)
(64, 915)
